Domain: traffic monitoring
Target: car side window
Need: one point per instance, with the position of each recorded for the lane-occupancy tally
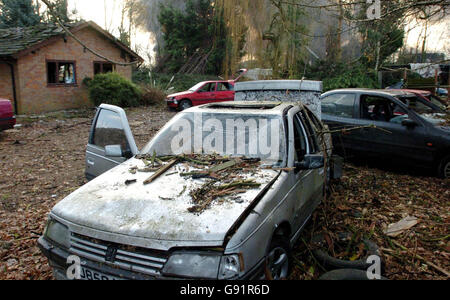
(339, 105)
(208, 88)
(301, 148)
(109, 131)
(318, 128)
(417, 105)
(380, 109)
(224, 87)
(310, 132)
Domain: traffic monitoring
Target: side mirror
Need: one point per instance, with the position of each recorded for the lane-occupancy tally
(409, 123)
(311, 162)
(114, 151)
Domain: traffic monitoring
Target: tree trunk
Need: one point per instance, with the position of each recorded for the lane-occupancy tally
(339, 32)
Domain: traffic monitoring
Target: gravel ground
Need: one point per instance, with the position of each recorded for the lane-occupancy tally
(44, 161)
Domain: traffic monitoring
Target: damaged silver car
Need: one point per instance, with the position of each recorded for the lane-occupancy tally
(222, 192)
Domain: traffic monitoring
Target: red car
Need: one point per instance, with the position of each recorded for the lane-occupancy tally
(204, 93)
(7, 119)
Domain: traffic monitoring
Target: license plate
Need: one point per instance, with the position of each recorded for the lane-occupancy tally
(88, 274)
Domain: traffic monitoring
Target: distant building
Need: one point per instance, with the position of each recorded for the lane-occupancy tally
(42, 68)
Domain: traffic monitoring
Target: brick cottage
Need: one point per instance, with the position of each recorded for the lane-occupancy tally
(42, 68)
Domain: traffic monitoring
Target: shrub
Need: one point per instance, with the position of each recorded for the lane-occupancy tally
(87, 81)
(112, 88)
(152, 96)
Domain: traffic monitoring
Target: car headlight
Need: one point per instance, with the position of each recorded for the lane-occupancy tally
(57, 233)
(230, 267)
(201, 266)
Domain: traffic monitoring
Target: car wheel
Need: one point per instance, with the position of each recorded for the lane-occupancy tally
(444, 168)
(278, 260)
(185, 104)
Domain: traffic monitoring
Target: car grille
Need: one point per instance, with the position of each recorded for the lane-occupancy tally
(123, 257)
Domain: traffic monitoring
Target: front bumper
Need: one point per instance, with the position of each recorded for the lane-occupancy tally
(7, 123)
(58, 261)
(57, 258)
(172, 103)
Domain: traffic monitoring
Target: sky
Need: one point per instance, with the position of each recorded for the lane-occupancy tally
(93, 10)
(438, 37)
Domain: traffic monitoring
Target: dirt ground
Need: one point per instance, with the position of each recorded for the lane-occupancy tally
(44, 161)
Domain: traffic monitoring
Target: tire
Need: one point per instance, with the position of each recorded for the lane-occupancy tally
(278, 264)
(185, 104)
(444, 168)
(346, 274)
(331, 263)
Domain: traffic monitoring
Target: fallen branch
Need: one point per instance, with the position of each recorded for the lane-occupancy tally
(213, 170)
(161, 171)
(248, 183)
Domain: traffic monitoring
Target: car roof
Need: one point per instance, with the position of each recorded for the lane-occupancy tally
(421, 92)
(393, 93)
(214, 81)
(245, 107)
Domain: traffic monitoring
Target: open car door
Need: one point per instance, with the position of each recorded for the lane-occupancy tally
(240, 74)
(111, 141)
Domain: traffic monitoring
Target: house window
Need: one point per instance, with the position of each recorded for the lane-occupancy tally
(103, 68)
(61, 73)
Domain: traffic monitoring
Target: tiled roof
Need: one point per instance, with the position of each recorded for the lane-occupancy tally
(15, 40)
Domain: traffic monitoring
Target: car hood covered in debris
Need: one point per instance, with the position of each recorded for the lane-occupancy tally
(115, 203)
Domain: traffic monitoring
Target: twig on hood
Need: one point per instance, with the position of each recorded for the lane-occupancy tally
(161, 171)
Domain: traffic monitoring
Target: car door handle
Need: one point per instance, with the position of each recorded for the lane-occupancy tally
(91, 162)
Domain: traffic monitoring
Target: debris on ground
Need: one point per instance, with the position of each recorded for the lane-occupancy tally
(394, 230)
(365, 202)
